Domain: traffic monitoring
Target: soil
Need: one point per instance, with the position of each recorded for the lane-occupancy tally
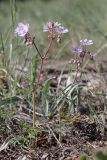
(82, 132)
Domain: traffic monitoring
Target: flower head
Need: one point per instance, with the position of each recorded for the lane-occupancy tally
(61, 29)
(50, 25)
(86, 42)
(56, 26)
(47, 26)
(55, 30)
(22, 29)
(78, 49)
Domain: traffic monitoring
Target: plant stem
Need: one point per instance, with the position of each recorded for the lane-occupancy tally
(75, 76)
(39, 76)
(48, 49)
(42, 58)
(33, 42)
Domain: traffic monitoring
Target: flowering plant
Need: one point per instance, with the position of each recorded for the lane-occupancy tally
(55, 31)
(82, 51)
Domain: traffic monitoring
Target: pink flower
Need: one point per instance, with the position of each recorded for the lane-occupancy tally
(53, 25)
(22, 29)
(55, 30)
(48, 26)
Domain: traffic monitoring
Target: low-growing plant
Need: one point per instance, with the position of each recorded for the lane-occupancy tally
(55, 31)
(71, 92)
(53, 106)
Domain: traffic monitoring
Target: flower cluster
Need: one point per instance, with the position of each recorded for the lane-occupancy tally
(49, 26)
(84, 42)
(54, 28)
(81, 49)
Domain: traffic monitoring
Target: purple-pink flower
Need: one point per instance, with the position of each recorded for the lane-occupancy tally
(61, 29)
(78, 49)
(55, 29)
(47, 26)
(86, 42)
(22, 29)
(50, 25)
(55, 26)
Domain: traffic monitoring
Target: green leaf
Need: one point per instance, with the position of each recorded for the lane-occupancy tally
(45, 93)
(45, 87)
(9, 100)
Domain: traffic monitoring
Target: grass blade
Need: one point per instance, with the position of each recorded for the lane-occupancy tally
(9, 100)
